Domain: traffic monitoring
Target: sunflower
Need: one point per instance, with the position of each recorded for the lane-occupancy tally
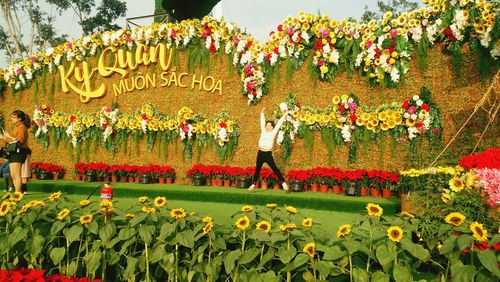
(6, 195)
(246, 208)
(307, 222)
(5, 208)
(445, 197)
(242, 223)
(160, 202)
(63, 214)
(395, 233)
(406, 214)
(207, 228)
(55, 196)
(455, 218)
(479, 232)
(129, 215)
(148, 210)
(374, 210)
(86, 219)
(17, 196)
(207, 219)
(471, 180)
(456, 184)
(178, 213)
(36, 204)
(106, 205)
(343, 230)
(264, 226)
(271, 206)
(142, 200)
(84, 203)
(291, 210)
(310, 249)
(289, 226)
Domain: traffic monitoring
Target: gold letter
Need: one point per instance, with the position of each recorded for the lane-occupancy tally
(196, 81)
(218, 86)
(205, 83)
(179, 79)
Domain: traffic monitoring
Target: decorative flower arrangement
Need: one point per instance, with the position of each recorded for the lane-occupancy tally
(416, 116)
(414, 179)
(489, 158)
(489, 179)
(222, 172)
(380, 50)
(103, 170)
(47, 169)
(112, 127)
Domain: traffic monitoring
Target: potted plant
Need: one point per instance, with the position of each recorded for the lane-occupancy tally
(314, 179)
(198, 174)
(35, 170)
(297, 179)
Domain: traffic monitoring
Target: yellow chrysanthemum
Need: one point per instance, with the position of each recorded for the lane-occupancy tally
(310, 249)
(5, 208)
(264, 226)
(86, 219)
(207, 228)
(246, 208)
(55, 196)
(406, 214)
(479, 232)
(17, 196)
(395, 233)
(455, 218)
(307, 222)
(148, 210)
(242, 223)
(271, 206)
(178, 213)
(374, 210)
(160, 202)
(343, 230)
(63, 214)
(291, 210)
(84, 203)
(456, 184)
(142, 200)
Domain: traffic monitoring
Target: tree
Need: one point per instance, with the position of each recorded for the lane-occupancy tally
(188, 9)
(395, 6)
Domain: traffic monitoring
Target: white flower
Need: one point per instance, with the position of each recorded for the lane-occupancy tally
(415, 97)
(395, 75)
(413, 117)
(346, 133)
(406, 115)
(412, 132)
(283, 107)
(420, 102)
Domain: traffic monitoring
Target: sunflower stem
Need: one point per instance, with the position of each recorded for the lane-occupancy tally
(350, 268)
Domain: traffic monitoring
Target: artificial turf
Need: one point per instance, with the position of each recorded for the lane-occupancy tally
(231, 195)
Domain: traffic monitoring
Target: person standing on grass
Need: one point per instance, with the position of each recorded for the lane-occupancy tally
(5, 172)
(266, 143)
(21, 122)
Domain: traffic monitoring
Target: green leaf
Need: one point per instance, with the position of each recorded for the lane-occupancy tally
(360, 275)
(107, 232)
(384, 257)
(157, 253)
(460, 272)
(186, 238)
(380, 276)
(249, 256)
(351, 246)
(334, 253)
(146, 233)
(448, 245)
(277, 237)
(72, 267)
(19, 234)
(489, 261)
(286, 255)
(138, 219)
(129, 272)
(126, 233)
(415, 250)
(56, 227)
(323, 267)
(261, 236)
(300, 259)
(73, 233)
(93, 227)
(464, 241)
(230, 260)
(269, 255)
(166, 230)
(93, 261)
(402, 274)
(35, 245)
(57, 254)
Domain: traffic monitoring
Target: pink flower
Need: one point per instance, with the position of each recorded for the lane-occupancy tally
(393, 32)
(235, 40)
(247, 67)
(70, 45)
(325, 33)
(489, 179)
(368, 44)
(353, 106)
(412, 110)
(291, 30)
(128, 38)
(19, 71)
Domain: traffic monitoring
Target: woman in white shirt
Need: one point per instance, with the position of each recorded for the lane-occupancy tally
(266, 142)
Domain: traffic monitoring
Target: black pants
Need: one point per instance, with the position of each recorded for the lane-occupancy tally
(266, 157)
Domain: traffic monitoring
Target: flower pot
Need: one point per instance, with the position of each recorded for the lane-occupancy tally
(263, 185)
(296, 186)
(114, 178)
(144, 179)
(56, 176)
(209, 182)
(277, 187)
(34, 176)
(386, 193)
(169, 180)
(106, 179)
(99, 179)
(244, 183)
(161, 180)
(131, 179)
(90, 178)
(220, 182)
(314, 187)
(364, 191)
(336, 189)
(407, 203)
(257, 185)
(123, 179)
(199, 181)
(374, 192)
(137, 179)
(78, 177)
(323, 188)
(227, 183)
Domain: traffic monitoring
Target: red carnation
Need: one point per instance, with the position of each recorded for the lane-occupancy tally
(353, 118)
(280, 27)
(406, 104)
(426, 107)
(342, 108)
(222, 125)
(212, 48)
(249, 43)
(72, 118)
(144, 117)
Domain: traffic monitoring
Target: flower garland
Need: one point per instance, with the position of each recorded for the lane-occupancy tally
(112, 127)
(416, 116)
(380, 50)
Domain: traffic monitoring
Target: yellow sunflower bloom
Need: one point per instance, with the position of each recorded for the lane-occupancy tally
(374, 210)
(129, 215)
(160, 202)
(242, 223)
(5, 208)
(271, 206)
(395, 233)
(456, 184)
(178, 213)
(307, 222)
(63, 214)
(310, 249)
(84, 203)
(246, 208)
(406, 214)
(207, 219)
(343, 230)
(291, 210)
(142, 200)
(263, 226)
(479, 232)
(148, 210)
(207, 228)
(455, 218)
(17, 196)
(86, 219)
(445, 197)
(55, 196)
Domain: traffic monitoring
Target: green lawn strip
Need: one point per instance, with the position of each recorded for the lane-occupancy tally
(316, 201)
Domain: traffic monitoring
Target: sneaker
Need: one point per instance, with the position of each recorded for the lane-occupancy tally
(285, 186)
(25, 192)
(251, 187)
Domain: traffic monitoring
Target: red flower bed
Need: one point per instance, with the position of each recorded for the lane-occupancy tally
(490, 158)
(101, 169)
(217, 171)
(28, 274)
(47, 168)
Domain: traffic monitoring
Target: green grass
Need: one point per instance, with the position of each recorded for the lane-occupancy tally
(305, 200)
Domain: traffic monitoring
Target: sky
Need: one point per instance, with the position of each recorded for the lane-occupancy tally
(259, 17)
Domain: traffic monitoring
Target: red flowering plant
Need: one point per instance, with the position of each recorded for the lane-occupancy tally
(490, 158)
(47, 168)
(198, 170)
(80, 168)
(298, 175)
(29, 274)
(268, 176)
(130, 171)
(117, 170)
(168, 172)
